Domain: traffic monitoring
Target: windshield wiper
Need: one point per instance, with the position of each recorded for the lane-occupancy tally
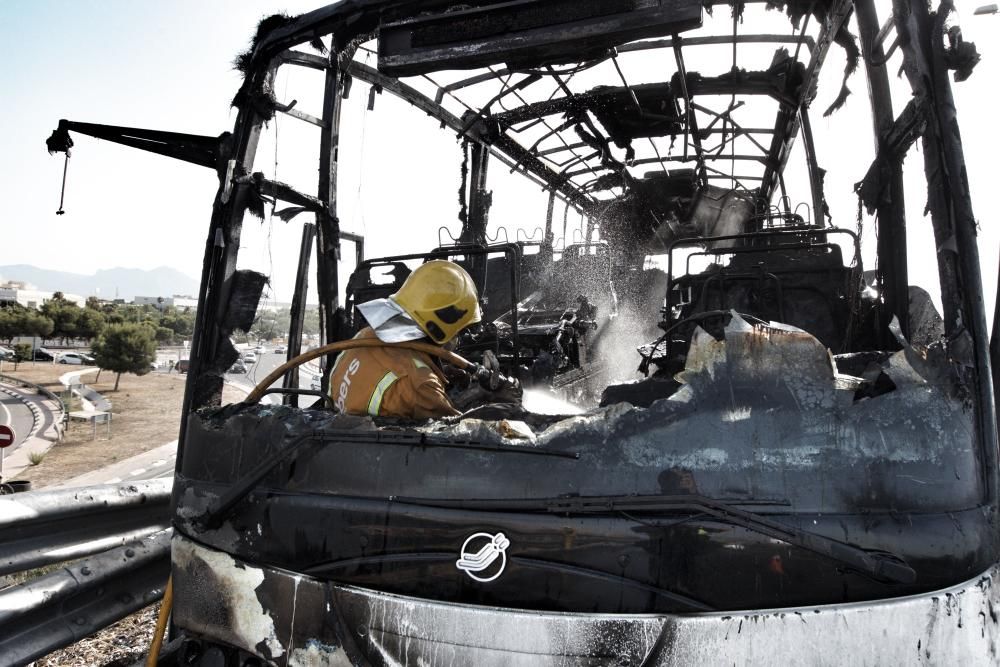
(218, 511)
(879, 565)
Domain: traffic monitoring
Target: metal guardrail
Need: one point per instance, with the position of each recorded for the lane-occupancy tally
(59, 608)
(43, 527)
(120, 531)
(25, 383)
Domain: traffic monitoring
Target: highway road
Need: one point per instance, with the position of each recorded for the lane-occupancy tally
(267, 362)
(17, 415)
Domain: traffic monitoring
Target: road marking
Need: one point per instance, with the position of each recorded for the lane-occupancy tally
(138, 471)
(159, 462)
(114, 480)
(8, 418)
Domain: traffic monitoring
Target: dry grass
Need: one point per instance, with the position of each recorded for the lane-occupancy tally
(117, 645)
(147, 414)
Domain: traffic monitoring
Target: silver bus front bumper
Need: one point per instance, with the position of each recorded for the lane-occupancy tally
(291, 619)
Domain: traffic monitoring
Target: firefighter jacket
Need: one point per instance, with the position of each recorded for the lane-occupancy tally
(389, 382)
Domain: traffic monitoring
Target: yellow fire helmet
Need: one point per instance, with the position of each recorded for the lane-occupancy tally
(441, 298)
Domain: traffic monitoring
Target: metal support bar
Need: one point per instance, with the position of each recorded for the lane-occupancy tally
(950, 204)
(691, 121)
(298, 311)
(507, 150)
(328, 227)
(815, 175)
(194, 148)
(479, 199)
(787, 121)
(647, 45)
(287, 193)
(204, 383)
(892, 261)
(295, 113)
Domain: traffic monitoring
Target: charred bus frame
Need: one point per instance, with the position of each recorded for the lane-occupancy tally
(576, 172)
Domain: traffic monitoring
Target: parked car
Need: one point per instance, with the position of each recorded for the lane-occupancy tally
(238, 367)
(41, 354)
(183, 365)
(6, 354)
(74, 358)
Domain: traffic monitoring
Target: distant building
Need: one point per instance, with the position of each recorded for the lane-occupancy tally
(161, 302)
(15, 291)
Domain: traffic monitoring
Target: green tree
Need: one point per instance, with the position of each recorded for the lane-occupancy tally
(90, 323)
(64, 315)
(32, 323)
(310, 321)
(164, 335)
(9, 324)
(125, 348)
(22, 352)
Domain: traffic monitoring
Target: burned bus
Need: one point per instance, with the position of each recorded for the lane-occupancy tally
(771, 446)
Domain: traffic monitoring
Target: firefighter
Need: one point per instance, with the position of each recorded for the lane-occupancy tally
(436, 302)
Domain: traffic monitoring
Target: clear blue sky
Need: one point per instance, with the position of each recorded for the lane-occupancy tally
(167, 65)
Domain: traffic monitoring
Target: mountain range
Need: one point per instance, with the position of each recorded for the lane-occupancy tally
(114, 283)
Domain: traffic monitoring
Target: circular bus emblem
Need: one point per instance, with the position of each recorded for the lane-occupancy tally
(484, 556)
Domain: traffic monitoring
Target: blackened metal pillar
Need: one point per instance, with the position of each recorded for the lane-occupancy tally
(327, 224)
(548, 239)
(893, 278)
(921, 37)
(479, 198)
(291, 379)
(204, 382)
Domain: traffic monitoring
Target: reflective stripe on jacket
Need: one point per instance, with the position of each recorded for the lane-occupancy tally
(389, 382)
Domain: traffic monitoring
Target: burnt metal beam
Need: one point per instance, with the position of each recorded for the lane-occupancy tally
(714, 40)
(921, 38)
(474, 230)
(327, 224)
(406, 93)
(287, 193)
(671, 158)
(648, 45)
(787, 120)
(194, 148)
(301, 59)
(210, 341)
(812, 164)
(892, 261)
(742, 83)
(298, 310)
(506, 150)
(301, 115)
(691, 120)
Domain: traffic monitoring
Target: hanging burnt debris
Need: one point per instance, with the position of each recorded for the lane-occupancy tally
(755, 422)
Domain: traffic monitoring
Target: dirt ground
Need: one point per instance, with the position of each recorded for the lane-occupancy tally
(147, 414)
